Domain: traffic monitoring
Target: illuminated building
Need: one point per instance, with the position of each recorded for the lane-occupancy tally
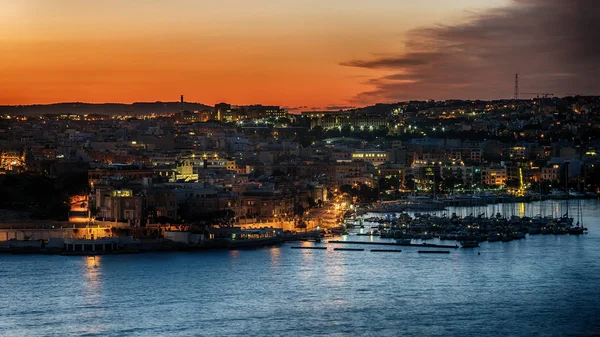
(119, 205)
(494, 176)
(376, 157)
(517, 152)
(12, 160)
(550, 173)
(126, 172)
(338, 120)
(79, 211)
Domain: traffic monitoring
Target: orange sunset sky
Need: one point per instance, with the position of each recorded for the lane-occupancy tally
(285, 52)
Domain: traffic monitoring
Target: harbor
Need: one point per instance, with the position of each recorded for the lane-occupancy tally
(424, 286)
(531, 278)
(471, 225)
(451, 227)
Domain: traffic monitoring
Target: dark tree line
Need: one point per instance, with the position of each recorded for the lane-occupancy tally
(44, 197)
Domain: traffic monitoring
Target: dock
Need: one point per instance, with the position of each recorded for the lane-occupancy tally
(386, 250)
(434, 252)
(309, 247)
(350, 249)
(427, 245)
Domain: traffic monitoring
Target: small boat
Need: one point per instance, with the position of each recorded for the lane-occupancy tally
(426, 236)
(560, 231)
(403, 241)
(576, 230)
(370, 233)
(494, 237)
(469, 244)
(518, 235)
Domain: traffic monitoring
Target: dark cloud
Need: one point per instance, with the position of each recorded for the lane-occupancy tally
(414, 59)
(553, 44)
(339, 107)
(294, 108)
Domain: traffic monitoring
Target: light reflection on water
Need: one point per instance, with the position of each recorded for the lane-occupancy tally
(92, 272)
(542, 285)
(92, 295)
(521, 209)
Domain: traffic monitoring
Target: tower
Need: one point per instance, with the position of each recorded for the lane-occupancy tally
(516, 86)
(181, 104)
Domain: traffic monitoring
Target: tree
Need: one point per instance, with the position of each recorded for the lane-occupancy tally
(513, 183)
(449, 183)
(346, 130)
(346, 189)
(367, 194)
(317, 132)
(409, 182)
(382, 131)
(390, 183)
(299, 209)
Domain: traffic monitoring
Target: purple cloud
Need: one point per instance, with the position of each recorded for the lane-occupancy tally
(553, 45)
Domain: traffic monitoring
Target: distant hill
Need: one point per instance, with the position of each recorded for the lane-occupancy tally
(138, 108)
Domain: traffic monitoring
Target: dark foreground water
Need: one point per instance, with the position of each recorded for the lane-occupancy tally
(541, 286)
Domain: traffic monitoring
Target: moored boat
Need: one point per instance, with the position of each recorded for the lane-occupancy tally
(469, 244)
(576, 230)
(494, 237)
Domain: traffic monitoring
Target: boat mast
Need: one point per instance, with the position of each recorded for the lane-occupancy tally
(542, 212)
(434, 182)
(567, 185)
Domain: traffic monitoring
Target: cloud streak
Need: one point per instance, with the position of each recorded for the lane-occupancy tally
(553, 45)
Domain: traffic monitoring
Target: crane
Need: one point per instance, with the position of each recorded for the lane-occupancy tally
(538, 94)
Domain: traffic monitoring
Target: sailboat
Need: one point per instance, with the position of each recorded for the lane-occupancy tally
(578, 228)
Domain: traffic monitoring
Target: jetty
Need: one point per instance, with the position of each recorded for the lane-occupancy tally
(429, 245)
(434, 252)
(386, 250)
(309, 247)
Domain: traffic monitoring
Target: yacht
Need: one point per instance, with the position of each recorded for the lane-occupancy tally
(469, 244)
(576, 195)
(424, 203)
(558, 194)
(410, 204)
(403, 241)
(466, 200)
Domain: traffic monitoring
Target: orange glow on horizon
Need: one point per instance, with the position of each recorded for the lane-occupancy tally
(269, 52)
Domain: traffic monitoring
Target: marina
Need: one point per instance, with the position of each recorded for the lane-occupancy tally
(471, 225)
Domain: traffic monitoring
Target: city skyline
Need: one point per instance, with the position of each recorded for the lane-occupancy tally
(297, 55)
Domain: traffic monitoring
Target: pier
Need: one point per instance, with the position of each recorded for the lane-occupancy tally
(386, 250)
(393, 244)
(434, 252)
(309, 247)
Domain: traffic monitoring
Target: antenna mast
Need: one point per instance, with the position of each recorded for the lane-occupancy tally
(516, 87)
